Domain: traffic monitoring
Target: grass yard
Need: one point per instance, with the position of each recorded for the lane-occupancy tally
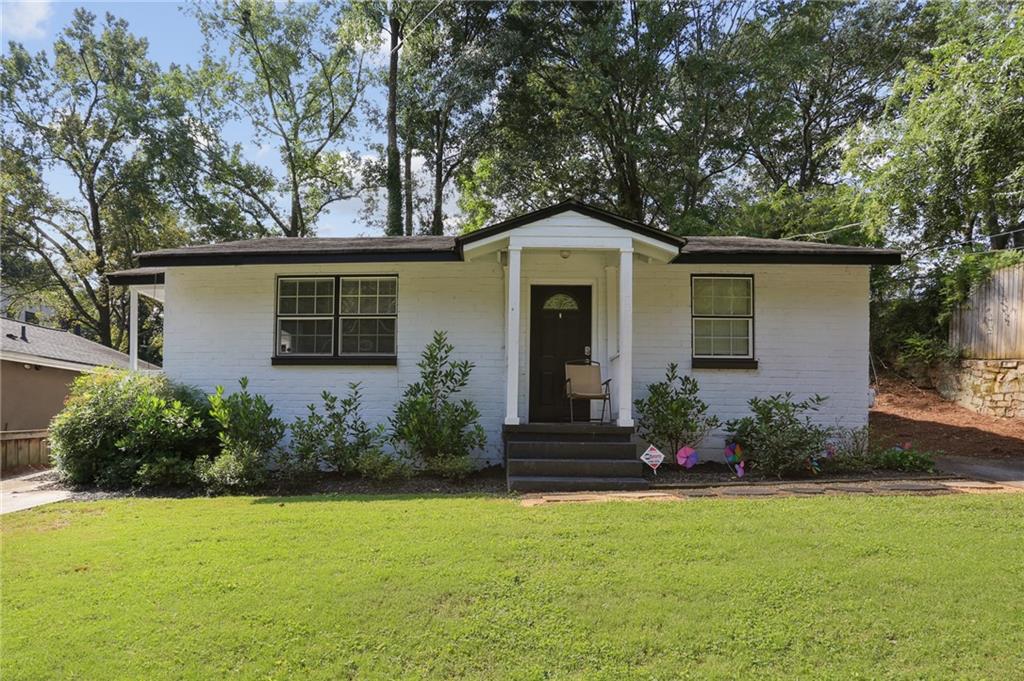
(326, 588)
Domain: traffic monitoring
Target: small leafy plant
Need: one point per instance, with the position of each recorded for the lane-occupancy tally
(906, 459)
(248, 438)
(430, 426)
(342, 439)
(927, 351)
(672, 415)
(779, 437)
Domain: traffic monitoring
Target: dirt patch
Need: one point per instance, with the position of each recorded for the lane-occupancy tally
(903, 412)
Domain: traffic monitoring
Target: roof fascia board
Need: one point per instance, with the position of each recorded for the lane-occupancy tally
(882, 258)
(22, 358)
(203, 259)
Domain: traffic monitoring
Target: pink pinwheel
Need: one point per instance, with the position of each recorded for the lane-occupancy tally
(686, 457)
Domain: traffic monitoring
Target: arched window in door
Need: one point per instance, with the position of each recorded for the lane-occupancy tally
(561, 302)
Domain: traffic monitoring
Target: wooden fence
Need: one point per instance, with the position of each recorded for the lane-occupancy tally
(23, 448)
(990, 325)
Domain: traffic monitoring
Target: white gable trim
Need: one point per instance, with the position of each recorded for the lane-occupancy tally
(572, 230)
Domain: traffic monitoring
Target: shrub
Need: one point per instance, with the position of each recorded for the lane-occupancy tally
(672, 416)
(926, 351)
(429, 426)
(779, 438)
(849, 451)
(342, 439)
(900, 459)
(248, 438)
(120, 429)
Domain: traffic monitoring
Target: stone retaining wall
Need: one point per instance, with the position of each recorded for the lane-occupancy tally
(987, 386)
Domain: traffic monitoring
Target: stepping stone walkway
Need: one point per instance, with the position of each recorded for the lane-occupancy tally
(804, 490)
(748, 491)
(911, 486)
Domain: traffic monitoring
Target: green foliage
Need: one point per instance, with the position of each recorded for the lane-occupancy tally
(294, 76)
(906, 460)
(429, 426)
(672, 415)
(121, 429)
(925, 351)
(779, 438)
(972, 270)
(249, 436)
(341, 439)
(94, 114)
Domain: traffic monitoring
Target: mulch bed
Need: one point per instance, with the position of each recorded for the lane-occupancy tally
(489, 481)
(711, 473)
(905, 413)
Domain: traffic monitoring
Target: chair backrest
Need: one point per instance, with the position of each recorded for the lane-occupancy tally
(583, 378)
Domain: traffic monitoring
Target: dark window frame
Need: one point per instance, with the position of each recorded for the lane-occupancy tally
(336, 356)
(724, 361)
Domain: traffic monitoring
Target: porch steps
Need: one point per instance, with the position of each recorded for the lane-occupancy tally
(564, 457)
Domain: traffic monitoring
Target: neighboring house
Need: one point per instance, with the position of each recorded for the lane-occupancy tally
(744, 316)
(36, 366)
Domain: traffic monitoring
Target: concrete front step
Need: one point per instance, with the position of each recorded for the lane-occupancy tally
(609, 468)
(570, 450)
(557, 483)
(567, 432)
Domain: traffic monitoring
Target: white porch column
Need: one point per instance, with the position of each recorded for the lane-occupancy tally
(625, 373)
(512, 337)
(133, 328)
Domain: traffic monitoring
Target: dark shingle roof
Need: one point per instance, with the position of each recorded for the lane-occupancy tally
(745, 249)
(308, 249)
(697, 249)
(62, 346)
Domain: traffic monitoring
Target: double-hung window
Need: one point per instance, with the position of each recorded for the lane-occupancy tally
(336, 319)
(722, 308)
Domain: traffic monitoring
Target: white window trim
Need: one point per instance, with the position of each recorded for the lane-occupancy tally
(749, 318)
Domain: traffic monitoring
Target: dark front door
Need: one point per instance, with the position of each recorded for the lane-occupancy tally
(559, 333)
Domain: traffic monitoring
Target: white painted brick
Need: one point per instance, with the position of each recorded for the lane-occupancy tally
(811, 333)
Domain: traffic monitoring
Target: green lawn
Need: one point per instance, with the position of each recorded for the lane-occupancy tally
(319, 587)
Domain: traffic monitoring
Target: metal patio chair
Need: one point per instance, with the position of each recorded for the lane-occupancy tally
(583, 382)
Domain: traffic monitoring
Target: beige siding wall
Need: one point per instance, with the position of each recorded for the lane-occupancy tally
(29, 398)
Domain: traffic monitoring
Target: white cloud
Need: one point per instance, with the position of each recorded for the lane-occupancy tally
(26, 20)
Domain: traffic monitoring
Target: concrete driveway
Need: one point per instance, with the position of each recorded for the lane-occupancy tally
(1008, 472)
(22, 491)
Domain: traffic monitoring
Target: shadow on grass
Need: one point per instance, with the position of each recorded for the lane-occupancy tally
(889, 429)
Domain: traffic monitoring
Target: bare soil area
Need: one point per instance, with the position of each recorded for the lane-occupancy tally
(905, 413)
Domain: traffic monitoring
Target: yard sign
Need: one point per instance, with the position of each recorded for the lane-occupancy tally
(653, 458)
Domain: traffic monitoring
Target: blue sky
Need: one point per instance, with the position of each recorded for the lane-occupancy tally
(174, 38)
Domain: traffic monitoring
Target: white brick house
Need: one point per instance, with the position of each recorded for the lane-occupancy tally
(746, 317)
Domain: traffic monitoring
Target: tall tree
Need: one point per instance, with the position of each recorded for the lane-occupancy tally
(946, 165)
(627, 105)
(82, 145)
(454, 63)
(294, 77)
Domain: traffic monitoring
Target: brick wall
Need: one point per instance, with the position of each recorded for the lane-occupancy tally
(811, 333)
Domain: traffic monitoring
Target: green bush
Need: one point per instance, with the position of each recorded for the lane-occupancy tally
(779, 438)
(906, 460)
(342, 439)
(926, 351)
(249, 436)
(121, 429)
(429, 426)
(672, 416)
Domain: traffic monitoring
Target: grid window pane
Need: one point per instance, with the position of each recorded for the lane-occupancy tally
(721, 337)
(305, 296)
(722, 296)
(368, 335)
(305, 336)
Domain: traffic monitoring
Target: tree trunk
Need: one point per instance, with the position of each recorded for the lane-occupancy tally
(394, 177)
(437, 218)
(408, 189)
(102, 298)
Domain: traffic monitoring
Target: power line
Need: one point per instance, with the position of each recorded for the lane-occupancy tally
(406, 34)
